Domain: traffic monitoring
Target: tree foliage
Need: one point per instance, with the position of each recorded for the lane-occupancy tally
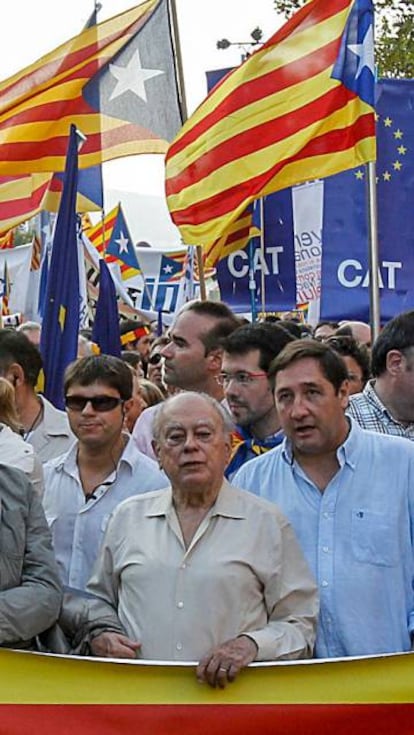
(394, 21)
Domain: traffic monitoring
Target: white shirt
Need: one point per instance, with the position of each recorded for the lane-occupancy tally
(243, 572)
(15, 452)
(53, 435)
(78, 526)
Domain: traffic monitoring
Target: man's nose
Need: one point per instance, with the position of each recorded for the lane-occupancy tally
(190, 441)
(298, 407)
(88, 408)
(167, 350)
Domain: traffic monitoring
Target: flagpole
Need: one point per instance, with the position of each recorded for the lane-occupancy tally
(184, 114)
(262, 249)
(375, 313)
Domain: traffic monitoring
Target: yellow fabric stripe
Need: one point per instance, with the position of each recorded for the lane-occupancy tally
(265, 110)
(293, 48)
(296, 172)
(57, 163)
(258, 161)
(67, 680)
(87, 37)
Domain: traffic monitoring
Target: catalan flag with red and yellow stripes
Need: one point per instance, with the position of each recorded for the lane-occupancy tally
(83, 82)
(49, 694)
(237, 238)
(299, 108)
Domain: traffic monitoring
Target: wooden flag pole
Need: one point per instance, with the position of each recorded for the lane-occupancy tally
(184, 114)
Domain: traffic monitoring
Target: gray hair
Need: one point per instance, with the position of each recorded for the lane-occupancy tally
(224, 416)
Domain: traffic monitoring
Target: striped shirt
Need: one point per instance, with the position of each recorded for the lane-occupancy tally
(370, 413)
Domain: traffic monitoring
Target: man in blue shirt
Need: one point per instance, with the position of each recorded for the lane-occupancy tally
(349, 494)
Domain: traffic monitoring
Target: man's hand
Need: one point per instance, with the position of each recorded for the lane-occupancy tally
(114, 645)
(223, 663)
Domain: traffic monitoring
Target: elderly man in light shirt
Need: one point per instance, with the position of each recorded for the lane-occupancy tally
(202, 571)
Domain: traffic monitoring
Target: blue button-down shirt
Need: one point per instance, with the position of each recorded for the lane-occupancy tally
(357, 537)
(78, 525)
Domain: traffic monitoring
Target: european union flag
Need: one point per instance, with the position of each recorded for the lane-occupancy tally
(105, 332)
(60, 326)
(345, 261)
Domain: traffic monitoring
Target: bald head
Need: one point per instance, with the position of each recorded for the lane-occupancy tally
(361, 331)
(182, 403)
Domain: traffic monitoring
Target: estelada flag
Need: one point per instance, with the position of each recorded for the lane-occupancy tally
(299, 108)
(58, 694)
(112, 239)
(115, 81)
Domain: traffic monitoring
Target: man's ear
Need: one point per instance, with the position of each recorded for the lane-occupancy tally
(343, 393)
(215, 358)
(127, 405)
(15, 375)
(394, 362)
(157, 451)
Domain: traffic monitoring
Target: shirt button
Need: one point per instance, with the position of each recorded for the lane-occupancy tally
(325, 549)
(179, 646)
(180, 604)
(326, 515)
(184, 566)
(325, 583)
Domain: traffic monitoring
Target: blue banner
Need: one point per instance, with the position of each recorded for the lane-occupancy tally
(277, 263)
(345, 256)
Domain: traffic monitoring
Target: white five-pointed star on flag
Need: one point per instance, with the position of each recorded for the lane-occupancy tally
(167, 269)
(132, 78)
(365, 52)
(123, 243)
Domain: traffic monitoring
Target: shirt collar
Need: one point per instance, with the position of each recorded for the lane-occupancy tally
(224, 506)
(69, 463)
(345, 452)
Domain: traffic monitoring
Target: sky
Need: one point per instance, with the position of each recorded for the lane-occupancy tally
(31, 29)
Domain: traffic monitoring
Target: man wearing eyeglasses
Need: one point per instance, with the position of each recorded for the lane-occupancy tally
(247, 355)
(83, 486)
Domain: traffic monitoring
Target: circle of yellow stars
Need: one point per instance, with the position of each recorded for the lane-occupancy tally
(400, 152)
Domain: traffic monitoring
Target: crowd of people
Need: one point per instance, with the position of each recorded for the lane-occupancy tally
(226, 492)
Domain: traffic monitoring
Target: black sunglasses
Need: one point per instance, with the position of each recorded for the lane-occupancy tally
(155, 359)
(98, 403)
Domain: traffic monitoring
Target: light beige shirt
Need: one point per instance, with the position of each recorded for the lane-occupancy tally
(242, 573)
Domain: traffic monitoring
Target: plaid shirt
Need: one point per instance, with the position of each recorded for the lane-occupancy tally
(370, 413)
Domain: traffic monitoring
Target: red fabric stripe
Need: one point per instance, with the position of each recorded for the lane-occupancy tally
(57, 66)
(54, 110)
(16, 207)
(381, 719)
(227, 200)
(57, 146)
(259, 137)
(258, 89)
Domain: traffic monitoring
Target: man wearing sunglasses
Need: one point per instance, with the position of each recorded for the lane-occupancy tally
(247, 355)
(83, 486)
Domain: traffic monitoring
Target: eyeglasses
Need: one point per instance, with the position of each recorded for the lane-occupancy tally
(241, 378)
(155, 359)
(98, 403)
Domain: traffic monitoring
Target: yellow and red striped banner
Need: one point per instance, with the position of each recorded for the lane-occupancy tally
(279, 119)
(58, 694)
(39, 103)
